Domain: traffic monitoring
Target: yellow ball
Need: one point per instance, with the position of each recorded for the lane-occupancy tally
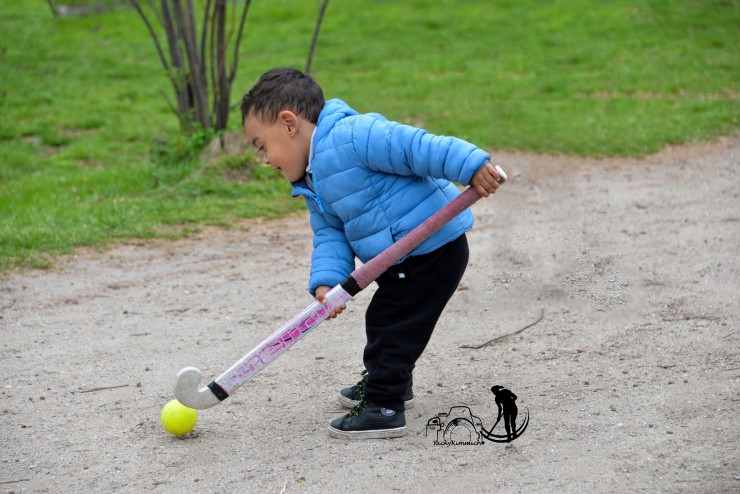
(178, 419)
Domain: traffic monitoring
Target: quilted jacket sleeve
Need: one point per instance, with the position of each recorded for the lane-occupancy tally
(394, 148)
(332, 259)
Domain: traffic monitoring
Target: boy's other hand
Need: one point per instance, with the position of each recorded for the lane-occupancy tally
(321, 298)
(486, 180)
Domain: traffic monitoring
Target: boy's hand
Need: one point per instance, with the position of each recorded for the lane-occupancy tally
(321, 297)
(486, 180)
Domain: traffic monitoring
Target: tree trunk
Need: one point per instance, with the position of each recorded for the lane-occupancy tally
(177, 69)
(221, 86)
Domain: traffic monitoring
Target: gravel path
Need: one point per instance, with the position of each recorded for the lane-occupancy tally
(630, 379)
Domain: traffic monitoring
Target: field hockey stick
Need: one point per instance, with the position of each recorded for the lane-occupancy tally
(188, 379)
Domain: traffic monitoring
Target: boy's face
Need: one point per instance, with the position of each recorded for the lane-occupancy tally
(284, 144)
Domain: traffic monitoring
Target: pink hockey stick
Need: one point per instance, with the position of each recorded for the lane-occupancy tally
(188, 379)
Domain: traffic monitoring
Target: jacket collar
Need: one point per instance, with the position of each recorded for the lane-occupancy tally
(334, 111)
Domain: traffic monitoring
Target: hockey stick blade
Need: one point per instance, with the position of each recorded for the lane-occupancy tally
(187, 390)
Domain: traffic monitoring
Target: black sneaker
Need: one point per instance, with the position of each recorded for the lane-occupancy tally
(350, 397)
(367, 421)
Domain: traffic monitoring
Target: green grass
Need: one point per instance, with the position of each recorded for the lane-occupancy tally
(581, 77)
(83, 114)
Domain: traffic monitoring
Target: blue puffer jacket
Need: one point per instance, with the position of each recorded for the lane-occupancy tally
(373, 182)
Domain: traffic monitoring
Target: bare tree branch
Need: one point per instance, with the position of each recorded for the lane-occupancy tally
(198, 64)
(199, 55)
(136, 6)
(198, 87)
(218, 88)
(177, 111)
(53, 8)
(16, 481)
(212, 51)
(153, 7)
(204, 34)
(491, 342)
(315, 37)
(178, 71)
(232, 75)
(103, 388)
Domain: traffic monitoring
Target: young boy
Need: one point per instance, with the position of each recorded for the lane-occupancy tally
(367, 182)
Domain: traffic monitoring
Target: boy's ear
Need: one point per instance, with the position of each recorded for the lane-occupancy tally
(289, 121)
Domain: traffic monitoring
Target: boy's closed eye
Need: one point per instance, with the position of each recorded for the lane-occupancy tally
(260, 148)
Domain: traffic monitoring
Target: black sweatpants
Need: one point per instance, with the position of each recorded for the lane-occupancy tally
(402, 315)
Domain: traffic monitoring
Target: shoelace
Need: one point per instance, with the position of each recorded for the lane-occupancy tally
(357, 409)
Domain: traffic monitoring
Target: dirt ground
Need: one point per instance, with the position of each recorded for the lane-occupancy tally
(630, 379)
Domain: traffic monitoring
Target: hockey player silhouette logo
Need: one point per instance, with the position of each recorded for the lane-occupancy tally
(460, 426)
(507, 409)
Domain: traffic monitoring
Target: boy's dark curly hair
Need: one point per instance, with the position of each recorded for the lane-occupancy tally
(283, 89)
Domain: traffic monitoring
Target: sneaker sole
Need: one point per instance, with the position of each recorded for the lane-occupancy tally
(347, 403)
(372, 434)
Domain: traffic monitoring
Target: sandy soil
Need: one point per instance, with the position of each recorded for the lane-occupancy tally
(630, 379)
